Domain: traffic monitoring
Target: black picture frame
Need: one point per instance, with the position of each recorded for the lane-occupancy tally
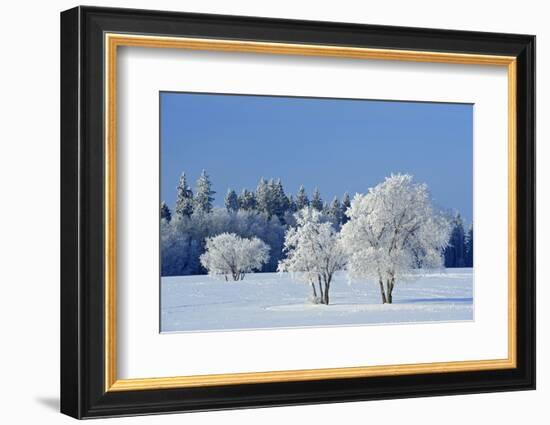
(83, 392)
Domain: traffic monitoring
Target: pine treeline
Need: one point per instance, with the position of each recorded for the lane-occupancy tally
(269, 198)
(460, 250)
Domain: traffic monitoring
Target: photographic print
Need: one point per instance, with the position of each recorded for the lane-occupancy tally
(285, 212)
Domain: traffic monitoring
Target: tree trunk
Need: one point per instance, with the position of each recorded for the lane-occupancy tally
(389, 290)
(382, 292)
(242, 276)
(314, 291)
(327, 288)
(321, 293)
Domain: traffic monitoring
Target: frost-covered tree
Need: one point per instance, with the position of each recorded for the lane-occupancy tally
(316, 201)
(263, 197)
(204, 196)
(346, 203)
(180, 248)
(184, 198)
(279, 201)
(469, 248)
(292, 207)
(455, 251)
(165, 213)
(230, 255)
(302, 200)
(231, 201)
(314, 252)
(392, 230)
(289, 219)
(247, 201)
(334, 212)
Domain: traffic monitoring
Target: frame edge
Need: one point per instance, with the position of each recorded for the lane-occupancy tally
(70, 349)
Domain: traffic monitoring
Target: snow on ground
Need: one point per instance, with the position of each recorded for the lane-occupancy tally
(276, 300)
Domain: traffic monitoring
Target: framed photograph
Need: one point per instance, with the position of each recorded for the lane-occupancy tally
(261, 212)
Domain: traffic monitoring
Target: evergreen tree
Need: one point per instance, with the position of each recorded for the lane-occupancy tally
(346, 203)
(231, 201)
(316, 201)
(165, 212)
(302, 200)
(284, 202)
(455, 251)
(247, 201)
(184, 198)
(272, 199)
(335, 211)
(279, 200)
(204, 198)
(292, 207)
(469, 248)
(263, 195)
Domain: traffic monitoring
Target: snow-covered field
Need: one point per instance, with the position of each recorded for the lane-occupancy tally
(273, 300)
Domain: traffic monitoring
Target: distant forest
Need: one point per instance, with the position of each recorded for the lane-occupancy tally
(266, 213)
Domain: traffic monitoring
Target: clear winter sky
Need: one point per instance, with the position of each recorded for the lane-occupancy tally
(335, 145)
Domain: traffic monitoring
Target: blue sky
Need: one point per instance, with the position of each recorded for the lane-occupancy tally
(336, 145)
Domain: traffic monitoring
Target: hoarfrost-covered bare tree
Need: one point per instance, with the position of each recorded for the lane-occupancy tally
(314, 252)
(230, 255)
(392, 230)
